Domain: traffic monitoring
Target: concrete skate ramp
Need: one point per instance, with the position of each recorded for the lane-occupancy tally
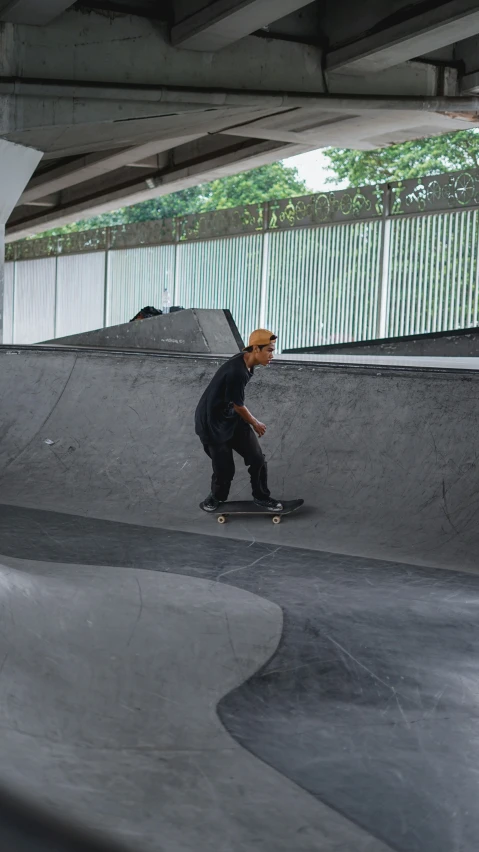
(385, 459)
(183, 687)
(461, 343)
(201, 331)
(126, 738)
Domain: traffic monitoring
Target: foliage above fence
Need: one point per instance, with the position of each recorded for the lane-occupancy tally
(434, 194)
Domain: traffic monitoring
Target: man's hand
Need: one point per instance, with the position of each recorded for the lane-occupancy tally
(259, 428)
(246, 415)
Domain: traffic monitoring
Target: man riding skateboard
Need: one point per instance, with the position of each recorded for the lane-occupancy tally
(223, 424)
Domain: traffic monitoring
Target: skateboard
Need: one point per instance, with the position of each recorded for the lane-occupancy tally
(247, 507)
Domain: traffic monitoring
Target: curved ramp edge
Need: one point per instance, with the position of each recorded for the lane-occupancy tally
(108, 698)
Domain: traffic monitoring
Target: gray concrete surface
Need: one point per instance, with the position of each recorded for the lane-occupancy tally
(462, 343)
(369, 702)
(126, 737)
(385, 458)
(194, 330)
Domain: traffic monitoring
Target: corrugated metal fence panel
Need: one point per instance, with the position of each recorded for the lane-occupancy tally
(433, 273)
(80, 293)
(312, 286)
(34, 300)
(222, 274)
(8, 303)
(139, 277)
(323, 284)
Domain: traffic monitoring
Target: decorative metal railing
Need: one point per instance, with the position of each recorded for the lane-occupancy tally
(390, 259)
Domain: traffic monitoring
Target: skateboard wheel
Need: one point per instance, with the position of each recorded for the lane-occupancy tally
(221, 519)
(277, 519)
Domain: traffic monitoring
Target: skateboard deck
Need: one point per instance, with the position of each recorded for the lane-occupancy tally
(247, 507)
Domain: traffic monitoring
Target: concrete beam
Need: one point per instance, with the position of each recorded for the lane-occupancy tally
(363, 131)
(37, 12)
(420, 34)
(424, 99)
(213, 26)
(115, 50)
(87, 168)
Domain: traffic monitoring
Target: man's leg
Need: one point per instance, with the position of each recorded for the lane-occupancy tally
(221, 456)
(246, 444)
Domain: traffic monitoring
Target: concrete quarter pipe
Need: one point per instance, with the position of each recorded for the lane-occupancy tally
(310, 686)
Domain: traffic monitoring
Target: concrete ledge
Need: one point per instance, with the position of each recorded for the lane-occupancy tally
(199, 331)
(462, 342)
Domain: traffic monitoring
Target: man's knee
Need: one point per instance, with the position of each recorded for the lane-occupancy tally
(225, 474)
(255, 459)
(223, 466)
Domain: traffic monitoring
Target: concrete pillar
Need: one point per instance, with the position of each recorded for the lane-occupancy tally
(17, 165)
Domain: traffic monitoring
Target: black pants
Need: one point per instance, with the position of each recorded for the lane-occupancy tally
(246, 444)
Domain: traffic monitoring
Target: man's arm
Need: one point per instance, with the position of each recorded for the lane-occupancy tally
(246, 415)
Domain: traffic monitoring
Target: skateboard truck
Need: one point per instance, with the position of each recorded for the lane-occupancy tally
(223, 518)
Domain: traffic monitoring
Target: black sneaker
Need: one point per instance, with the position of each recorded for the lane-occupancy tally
(269, 504)
(210, 504)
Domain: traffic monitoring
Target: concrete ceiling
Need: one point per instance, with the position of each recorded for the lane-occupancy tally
(131, 99)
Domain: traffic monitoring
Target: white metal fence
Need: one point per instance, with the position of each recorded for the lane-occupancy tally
(433, 273)
(334, 267)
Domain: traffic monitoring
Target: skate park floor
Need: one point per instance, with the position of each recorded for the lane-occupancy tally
(204, 693)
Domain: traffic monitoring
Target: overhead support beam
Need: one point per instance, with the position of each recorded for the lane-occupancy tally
(271, 134)
(213, 26)
(418, 35)
(255, 99)
(376, 132)
(36, 12)
(87, 168)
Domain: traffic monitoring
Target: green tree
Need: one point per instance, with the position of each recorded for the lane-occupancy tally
(436, 155)
(165, 207)
(263, 184)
